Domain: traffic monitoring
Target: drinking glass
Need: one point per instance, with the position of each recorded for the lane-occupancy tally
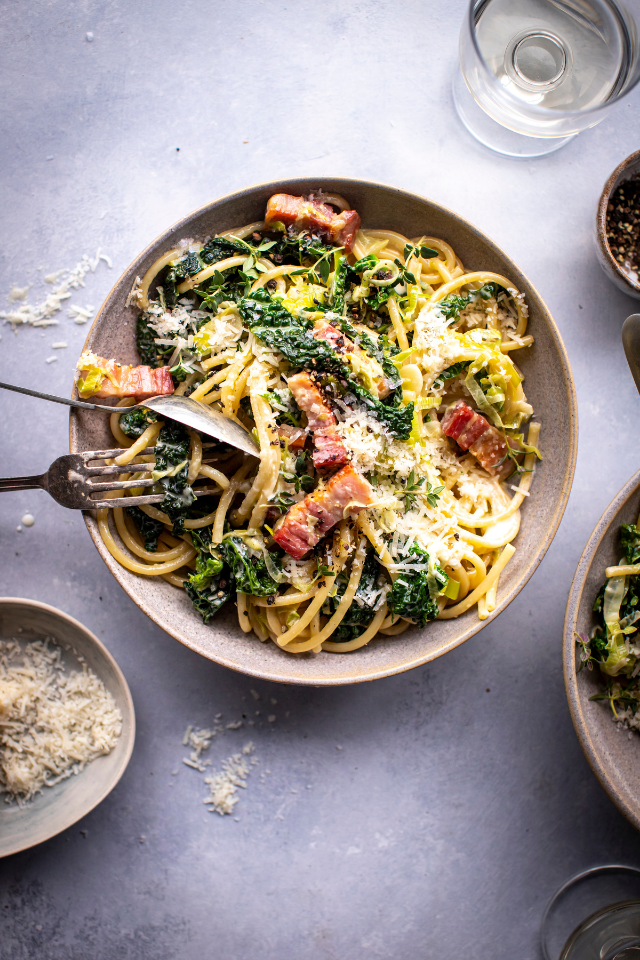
(534, 73)
(596, 915)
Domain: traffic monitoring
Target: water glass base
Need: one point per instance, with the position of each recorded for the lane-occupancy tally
(493, 134)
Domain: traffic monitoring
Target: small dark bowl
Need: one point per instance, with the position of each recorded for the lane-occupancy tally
(608, 262)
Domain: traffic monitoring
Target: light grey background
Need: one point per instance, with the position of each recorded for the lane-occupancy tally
(459, 798)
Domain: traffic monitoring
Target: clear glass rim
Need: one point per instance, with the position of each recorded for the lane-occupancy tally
(537, 111)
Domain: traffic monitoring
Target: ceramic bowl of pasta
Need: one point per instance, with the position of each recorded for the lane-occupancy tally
(414, 418)
(602, 650)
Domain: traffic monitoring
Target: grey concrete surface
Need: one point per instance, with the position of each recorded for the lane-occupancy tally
(426, 815)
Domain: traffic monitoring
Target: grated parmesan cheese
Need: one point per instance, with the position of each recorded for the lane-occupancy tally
(223, 786)
(51, 723)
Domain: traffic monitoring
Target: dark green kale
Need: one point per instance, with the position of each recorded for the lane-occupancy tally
(151, 353)
(414, 592)
(172, 449)
(450, 372)
(300, 248)
(630, 538)
(135, 422)
(452, 305)
(211, 585)
(278, 329)
(249, 573)
(363, 608)
(221, 248)
(149, 528)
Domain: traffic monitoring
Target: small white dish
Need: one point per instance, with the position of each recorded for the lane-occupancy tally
(57, 808)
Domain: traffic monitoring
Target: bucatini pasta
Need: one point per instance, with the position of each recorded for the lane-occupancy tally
(376, 374)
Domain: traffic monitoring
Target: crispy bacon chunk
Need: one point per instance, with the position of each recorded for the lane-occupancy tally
(314, 215)
(473, 432)
(366, 367)
(295, 436)
(304, 524)
(102, 379)
(329, 452)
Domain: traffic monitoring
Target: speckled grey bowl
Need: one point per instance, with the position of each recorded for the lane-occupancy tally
(549, 387)
(614, 757)
(608, 262)
(57, 808)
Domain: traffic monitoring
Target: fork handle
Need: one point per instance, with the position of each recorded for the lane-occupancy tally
(23, 483)
(48, 396)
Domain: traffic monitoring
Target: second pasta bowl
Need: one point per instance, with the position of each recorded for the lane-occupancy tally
(339, 331)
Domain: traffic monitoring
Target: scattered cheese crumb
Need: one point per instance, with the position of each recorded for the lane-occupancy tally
(28, 520)
(271, 718)
(223, 786)
(255, 694)
(18, 293)
(59, 345)
(235, 725)
(51, 359)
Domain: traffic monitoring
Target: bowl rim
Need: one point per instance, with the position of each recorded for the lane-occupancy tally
(613, 181)
(580, 722)
(130, 736)
(266, 673)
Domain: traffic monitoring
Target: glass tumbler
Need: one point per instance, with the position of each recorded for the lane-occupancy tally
(534, 73)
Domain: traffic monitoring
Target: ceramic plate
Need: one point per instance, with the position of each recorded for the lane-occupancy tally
(549, 388)
(614, 757)
(57, 808)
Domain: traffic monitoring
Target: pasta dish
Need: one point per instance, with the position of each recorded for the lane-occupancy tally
(376, 374)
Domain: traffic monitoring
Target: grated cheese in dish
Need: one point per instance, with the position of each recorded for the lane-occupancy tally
(52, 724)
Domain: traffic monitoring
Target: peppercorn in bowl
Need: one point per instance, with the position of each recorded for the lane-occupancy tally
(618, 226)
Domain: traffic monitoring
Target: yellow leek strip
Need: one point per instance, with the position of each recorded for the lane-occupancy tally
(152, 272)
(363, 639)
(212, 474)
(145, 440)
(398, 326)
(286, 600)
(209, 272)
(450, 613)
(243, 613)
(114, 421)
(131, 543)
(145, 569)
(195, 456)
(273, 273)
(624, 570)
(226, 500)
(377, 542)
(343, 606)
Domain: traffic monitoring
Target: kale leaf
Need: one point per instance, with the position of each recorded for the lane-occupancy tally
(135, 422)
(151, 353)
(630, 537)
(363, 608)
(211, 585)
(172, 448)
(414, 592)
(220, 248)
(148, 527)
(249, 573)
(277, 328)
(299, 248)
(450, 372)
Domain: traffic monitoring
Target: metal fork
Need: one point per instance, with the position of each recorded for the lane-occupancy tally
(69, 481)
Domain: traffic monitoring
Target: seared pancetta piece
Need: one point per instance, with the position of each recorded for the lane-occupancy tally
(314, 216)
(305, 523)
(474, 433)
(100, 378)
(329, 452)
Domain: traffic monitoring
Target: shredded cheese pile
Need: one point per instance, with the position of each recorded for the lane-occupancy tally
(52, 724)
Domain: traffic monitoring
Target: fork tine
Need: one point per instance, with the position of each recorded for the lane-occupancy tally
(116, 469)
(121, 485)
(88, 455)
(123, 502)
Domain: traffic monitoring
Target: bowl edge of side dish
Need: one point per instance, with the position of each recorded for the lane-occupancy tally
(607, 750)
(606, 259)
(73, 810)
